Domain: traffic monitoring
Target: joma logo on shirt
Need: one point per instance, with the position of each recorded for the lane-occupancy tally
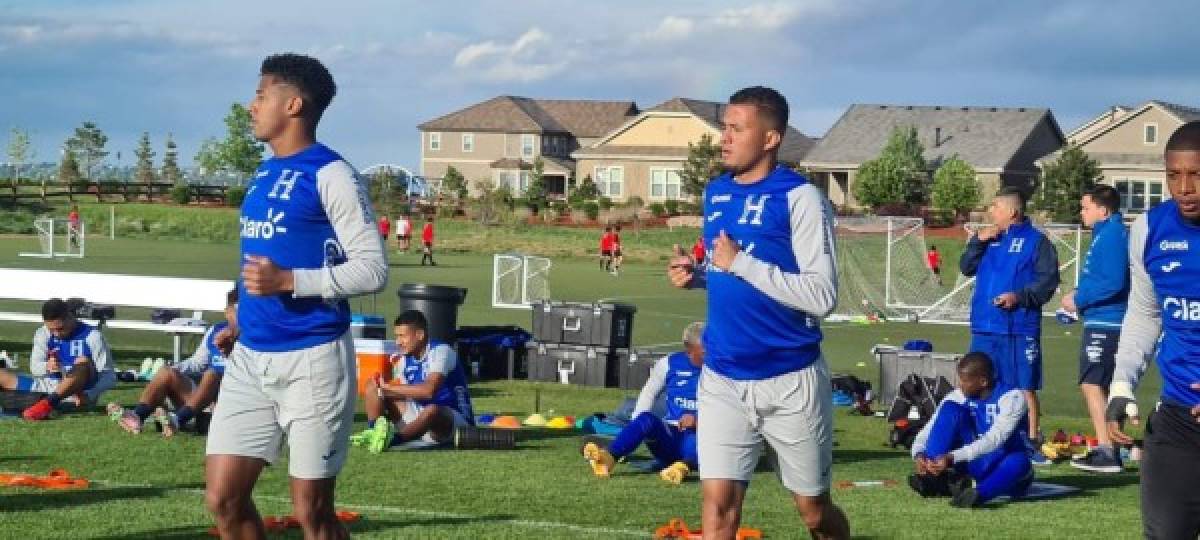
(1181, 308)
(1173, 245)
(265, 229)
(685, 403)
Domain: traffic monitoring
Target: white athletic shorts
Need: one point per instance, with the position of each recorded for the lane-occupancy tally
(307, 395)
(793, 413)
(413, 409)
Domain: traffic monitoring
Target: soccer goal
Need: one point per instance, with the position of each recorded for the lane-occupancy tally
(883, 273)
(58, 239)
(519, 280)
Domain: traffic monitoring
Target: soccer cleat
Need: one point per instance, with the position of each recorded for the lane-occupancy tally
(381, 436)
(146, 372)
(166, 422)
(114, 411)
(675, 473)
(967, 498)
(600, 459)
(38, 411)
(1098, 461)
(130, 422)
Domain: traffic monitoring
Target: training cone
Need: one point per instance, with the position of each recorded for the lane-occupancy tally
(535, 420)
(559, 422)
(506, 422)
(485, 419)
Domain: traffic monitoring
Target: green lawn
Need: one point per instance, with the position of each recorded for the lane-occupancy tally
(150, 488)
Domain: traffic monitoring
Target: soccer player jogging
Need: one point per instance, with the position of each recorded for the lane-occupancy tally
(1163, 300)
(934, 261)
(1016, 272)
(977, 433)
(70, 363)
(606, 247)
(770, 278)
(191, 385)
(427, 242)
(671, 439)
(308, 241)
(1101, 298)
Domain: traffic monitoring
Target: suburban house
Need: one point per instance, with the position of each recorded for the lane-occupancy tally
(1001, 143)
(644, 156)
(1128, 144)
(499, 139)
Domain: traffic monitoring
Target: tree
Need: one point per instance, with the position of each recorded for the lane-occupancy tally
(20, 152)
(585, 190)
(955, 187)
(209, 157)
(68, 174)
(240, 152)
(535, 193)
(1063, 183)
(897, 176)
(88, 146)
(454, 182)
(703, 163)
(170, 168)
(144, 170)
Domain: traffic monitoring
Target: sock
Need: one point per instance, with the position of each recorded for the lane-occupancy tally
(371, 423)
(143, 411)
(53, 398)
(184, 414)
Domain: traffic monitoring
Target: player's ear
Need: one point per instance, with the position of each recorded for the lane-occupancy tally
(295, 105)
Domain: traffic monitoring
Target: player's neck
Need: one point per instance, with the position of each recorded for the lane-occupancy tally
(293, 139)
(757, 171)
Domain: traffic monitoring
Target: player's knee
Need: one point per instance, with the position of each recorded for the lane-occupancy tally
(224, 503)
(813, 509)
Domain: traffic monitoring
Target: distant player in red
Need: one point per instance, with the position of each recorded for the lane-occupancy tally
(617, 255)
(385, 227)
(73, 224)
(427, 239)
(698, 251)
(934, 261)
(606, 249)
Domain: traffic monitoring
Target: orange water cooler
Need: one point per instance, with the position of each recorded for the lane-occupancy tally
(374, 358)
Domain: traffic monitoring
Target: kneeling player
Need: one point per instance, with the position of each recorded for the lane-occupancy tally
(671, 439)
(428, 397)
(979, 433)
(70, 363)
(191, 385)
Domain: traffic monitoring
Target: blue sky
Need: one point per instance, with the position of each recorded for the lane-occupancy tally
(165, 66)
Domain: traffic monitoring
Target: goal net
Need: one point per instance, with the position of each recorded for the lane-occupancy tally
(519, 280)
(58, 238)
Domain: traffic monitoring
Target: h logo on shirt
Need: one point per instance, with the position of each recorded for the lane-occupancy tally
(1016, 245)
(283, 185)
(752, 210)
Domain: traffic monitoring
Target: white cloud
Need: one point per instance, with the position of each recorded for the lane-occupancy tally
(671, 28)
(527, 59)
(777, 15)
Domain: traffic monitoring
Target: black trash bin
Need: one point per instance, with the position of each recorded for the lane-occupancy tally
(439, 304)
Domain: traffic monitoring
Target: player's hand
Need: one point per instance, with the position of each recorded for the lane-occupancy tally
(263, 278)
(225, 339)
(936, 466)
(1122, 405)
(1068, 302)
(920, 464)
(1196, 409)
(987, 234)
(680, 269)
(687, 421)
(724, 251)
(1006, 301)
(52, 365)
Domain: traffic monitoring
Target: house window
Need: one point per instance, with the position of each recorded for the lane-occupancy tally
(527, 142)
(1137, 196)
(507, 179)
(468, 142)
(435, 141)
(610, 180)
(1150, 133)
(664, 183)
(524, 185)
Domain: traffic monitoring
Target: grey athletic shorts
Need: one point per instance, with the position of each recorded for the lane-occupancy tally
(307, 395)
(793, 413)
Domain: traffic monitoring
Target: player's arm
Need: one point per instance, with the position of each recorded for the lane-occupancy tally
(197, 363)
(441, 361)
(1012, 409)
(1045, 277)
(37, 356)
(653, 387)
(1140, 330)
(346, 205)
(972, 255)
(101, 355)
(813, 289)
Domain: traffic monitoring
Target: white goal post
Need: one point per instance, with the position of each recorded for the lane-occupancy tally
(519, 280)
(58, 239)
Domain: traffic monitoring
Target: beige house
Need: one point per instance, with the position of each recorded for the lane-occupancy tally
(1002, 144)
(499, 139)
(1128, 145)
(644, 156)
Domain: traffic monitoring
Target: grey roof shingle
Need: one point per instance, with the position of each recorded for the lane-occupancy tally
(985, 137)
(514, 114)
(1185, 113)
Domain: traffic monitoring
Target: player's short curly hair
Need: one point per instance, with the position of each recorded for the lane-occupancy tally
(308, 76)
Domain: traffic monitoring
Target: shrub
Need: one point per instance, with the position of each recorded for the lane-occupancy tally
(181, 194)
(658, 210)
(689, 208)
(605, 203)
(635, 202)
(235, 195)
(592, 209)
(672, 207)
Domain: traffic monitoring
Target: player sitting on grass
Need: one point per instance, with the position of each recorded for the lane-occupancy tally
(671, 439)
(979, 433)
(191, 385)
(427, 398)
(70, 363)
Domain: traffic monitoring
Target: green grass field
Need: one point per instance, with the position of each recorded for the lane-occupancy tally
(147, 487)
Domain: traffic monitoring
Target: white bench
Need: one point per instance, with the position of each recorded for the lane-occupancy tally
(184, 294)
